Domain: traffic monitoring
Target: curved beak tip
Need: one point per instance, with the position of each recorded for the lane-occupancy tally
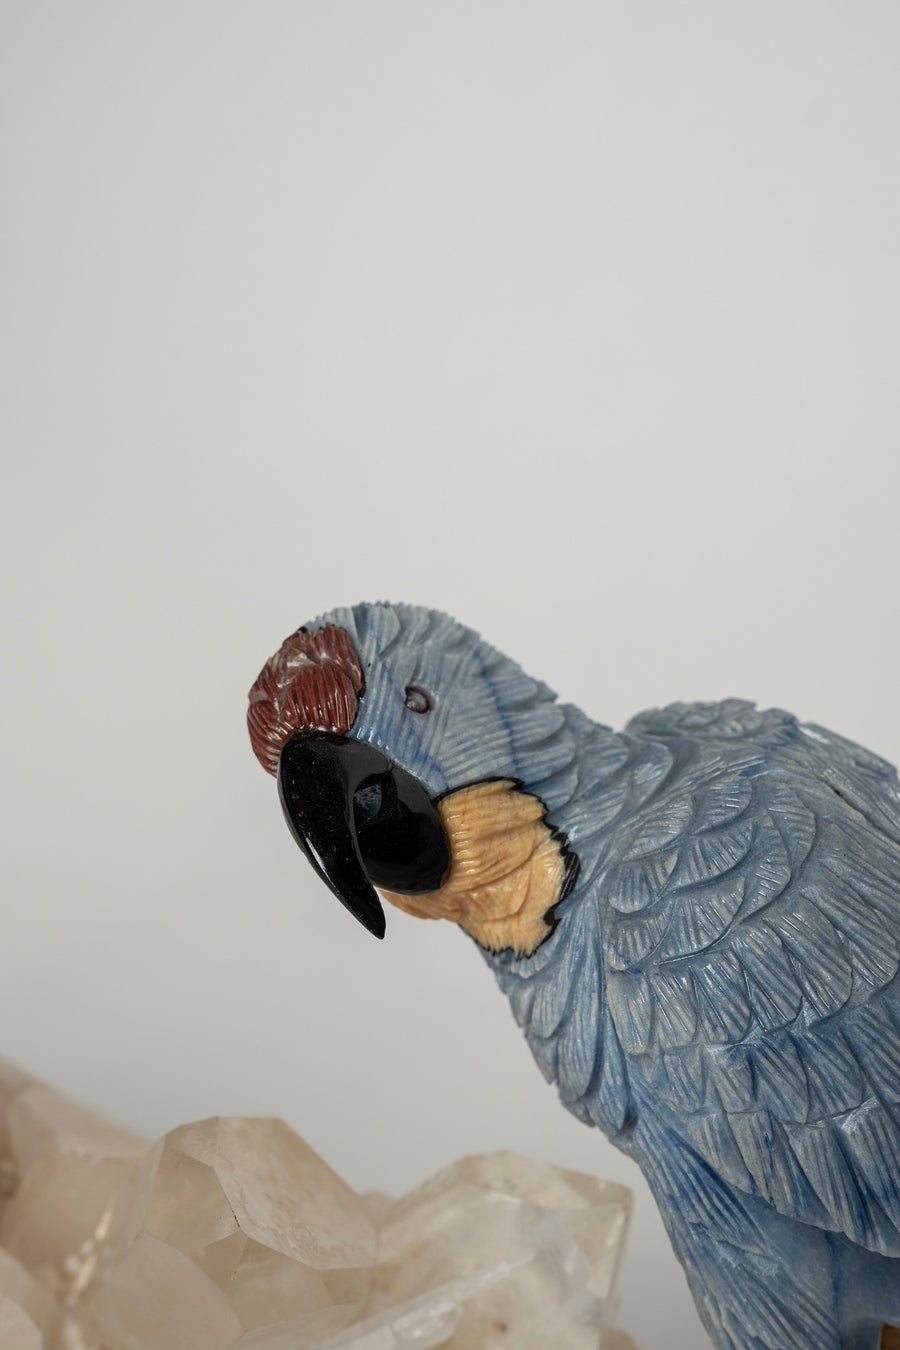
(316, 798)
(397, 842)
(378, 929)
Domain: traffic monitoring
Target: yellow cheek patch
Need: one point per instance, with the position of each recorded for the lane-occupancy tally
(506, 868)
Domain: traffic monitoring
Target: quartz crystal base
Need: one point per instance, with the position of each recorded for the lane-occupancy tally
(232, 1234)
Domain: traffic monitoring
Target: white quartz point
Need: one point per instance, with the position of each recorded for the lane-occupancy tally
(419, 1323)
(595, 1212)
(261, 1216)
(42, 1122)
(73, 1164)
(17, 1331)
(564, 1231)
(305, 1332)
(13, 1080)
(281, 1194)
(59, 1213)
(17, 1285)
(233, 1234)
(157, 1299)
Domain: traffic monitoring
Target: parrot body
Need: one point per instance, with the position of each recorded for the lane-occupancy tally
(697, 924)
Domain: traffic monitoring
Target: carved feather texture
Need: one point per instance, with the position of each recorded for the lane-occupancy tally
(672, 993)
(686, 1071)
(731, 1074)
(712, 853)
(780, 1078)
(872, 1140)
(820, 958)
(403, 645)
(546, 1054)
(772, 983)
(852, 913)
(750, 974)
(578, 1057)
(833, 1075)
(312, 683)
(796, 824)
(659, 827)
(754, 1137)
(729, 1245)
(825, 1164)
(632, 940)
(723, 924)
(722, 803)
(632, 1008)
(586, 823)
(770, 871)
(720, 991)
(715, 1140)
(635, 885)
(610, 1104)
(702, 917)
(723, 1004)
(549, 1005)
(873, 1035)
(521, 994)
(649, 773)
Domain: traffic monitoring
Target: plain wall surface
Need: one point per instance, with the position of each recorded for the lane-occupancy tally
(579, 321)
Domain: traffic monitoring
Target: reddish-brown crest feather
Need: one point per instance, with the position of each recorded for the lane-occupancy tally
(312, 683)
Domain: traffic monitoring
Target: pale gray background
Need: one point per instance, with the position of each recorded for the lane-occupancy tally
(577, 320)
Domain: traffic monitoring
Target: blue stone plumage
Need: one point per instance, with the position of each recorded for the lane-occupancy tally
(719, 993)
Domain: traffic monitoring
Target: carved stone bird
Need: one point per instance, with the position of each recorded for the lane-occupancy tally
(696, 921)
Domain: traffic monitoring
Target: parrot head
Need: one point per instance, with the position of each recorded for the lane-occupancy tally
(411, 756)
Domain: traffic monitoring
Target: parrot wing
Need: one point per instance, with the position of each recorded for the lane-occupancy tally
(751, 936)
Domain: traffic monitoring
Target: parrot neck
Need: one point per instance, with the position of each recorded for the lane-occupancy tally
(604, 773)
(588, 778)
(557, 994)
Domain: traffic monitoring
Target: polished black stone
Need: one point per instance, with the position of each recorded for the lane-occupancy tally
(360, 820)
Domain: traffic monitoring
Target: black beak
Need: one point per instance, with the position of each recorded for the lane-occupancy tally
(360, 819)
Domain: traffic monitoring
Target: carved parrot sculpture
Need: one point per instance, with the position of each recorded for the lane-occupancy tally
(696, 921)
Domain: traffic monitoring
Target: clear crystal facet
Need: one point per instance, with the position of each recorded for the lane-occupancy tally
(561, 1232)
(233, 1234)
(17, 1331)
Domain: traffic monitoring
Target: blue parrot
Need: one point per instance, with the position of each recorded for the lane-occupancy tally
(696, 921)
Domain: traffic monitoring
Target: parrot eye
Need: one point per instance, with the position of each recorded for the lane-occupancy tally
(418, 700)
